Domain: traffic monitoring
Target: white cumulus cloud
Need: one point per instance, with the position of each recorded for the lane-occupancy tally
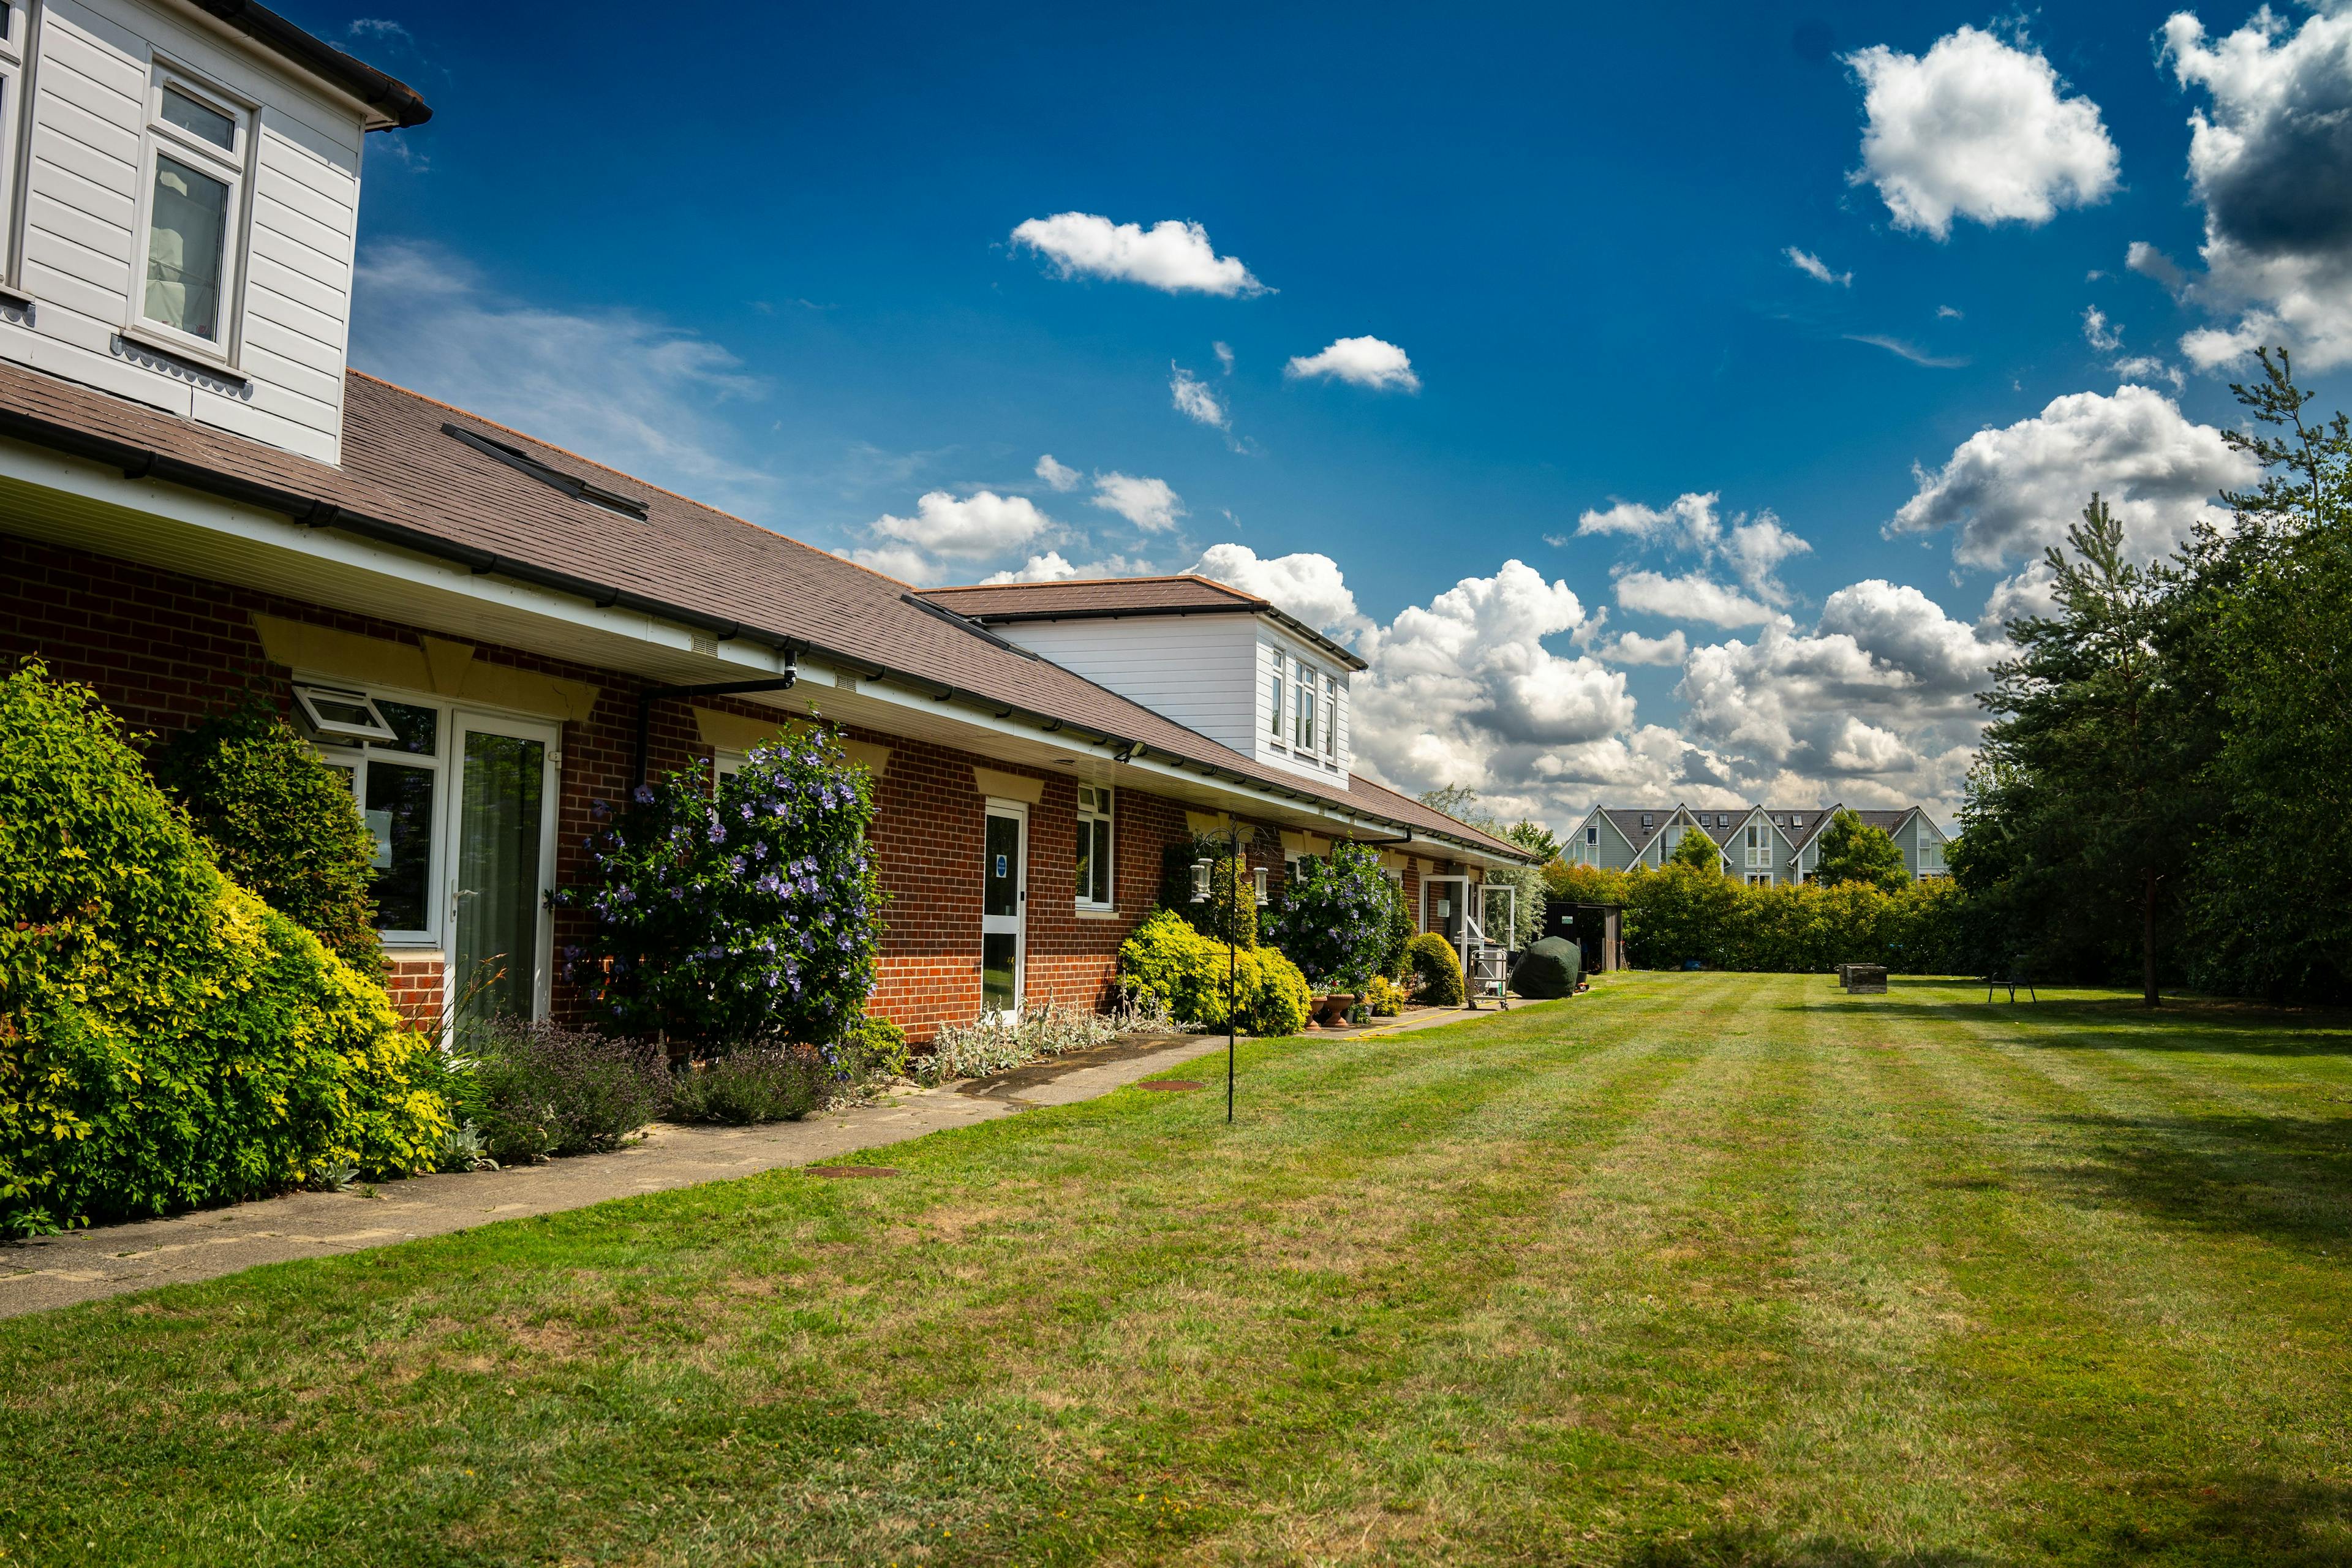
(1306, 585)
(1060, 476)
(1690, 596)
(2009, 492)
(2272, 161)
(1977, 128)
(963, 528)
(1194, 399)
(1150, 504)
(1633, 648)
(1361, 362)
(1172, 255)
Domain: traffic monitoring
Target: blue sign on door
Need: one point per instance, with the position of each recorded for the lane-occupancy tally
(1000, 869)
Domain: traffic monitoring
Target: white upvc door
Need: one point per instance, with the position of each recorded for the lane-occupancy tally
(500, 864)
(1003, 906)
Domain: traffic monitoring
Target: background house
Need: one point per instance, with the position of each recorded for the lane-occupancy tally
(1762, 845)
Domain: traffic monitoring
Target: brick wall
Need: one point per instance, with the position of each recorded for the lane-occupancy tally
(162, 649)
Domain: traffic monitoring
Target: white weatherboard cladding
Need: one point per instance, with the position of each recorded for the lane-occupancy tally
(1208, 673)
(81, 249)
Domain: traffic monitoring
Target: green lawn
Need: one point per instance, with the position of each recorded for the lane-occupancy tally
(1696, 1268)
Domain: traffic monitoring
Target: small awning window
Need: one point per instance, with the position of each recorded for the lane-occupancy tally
(344, 714)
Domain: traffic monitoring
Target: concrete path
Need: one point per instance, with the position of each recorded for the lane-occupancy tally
(56, 1272)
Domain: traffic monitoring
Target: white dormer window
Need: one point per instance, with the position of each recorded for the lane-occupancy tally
(1094, 868)
(194, 156)
(1302, 706)
(1330, 716)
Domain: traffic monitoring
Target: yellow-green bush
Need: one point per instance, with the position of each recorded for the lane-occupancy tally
(1438, 968)
(1676, 915)
(1384, 997)
(166, 1039)
(1189, 973)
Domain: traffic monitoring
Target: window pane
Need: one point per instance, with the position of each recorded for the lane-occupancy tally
(185, 235)
(1274, 721)
(1000, 876)
(199, 120)
(497, 872)
(1101, 858)
(400, 799)
(997, 972)
(1085, 878)
(419, 728)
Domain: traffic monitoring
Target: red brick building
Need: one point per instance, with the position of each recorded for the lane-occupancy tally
(490, 635)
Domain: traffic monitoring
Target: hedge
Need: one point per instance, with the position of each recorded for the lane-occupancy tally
(166, 1039)
(1675, 915)
(1168, 958)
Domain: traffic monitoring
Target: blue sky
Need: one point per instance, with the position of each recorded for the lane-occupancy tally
(770, 259)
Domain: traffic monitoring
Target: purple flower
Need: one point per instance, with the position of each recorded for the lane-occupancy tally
(645, 796)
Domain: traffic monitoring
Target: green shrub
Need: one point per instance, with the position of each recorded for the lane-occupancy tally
(1334, 916)
(749, 919)
(1438, 968)
(1854, 851)
(873, 1047)
(539, 1089)
(282, 824)
(166, 1039)
(1168, 959)
(1384, 997)
(752, 1085)
(1400, 933)
(1230, 911)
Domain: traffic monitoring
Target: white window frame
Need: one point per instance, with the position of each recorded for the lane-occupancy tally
(1103, 811)
(357, 758)
(1330, 691)
(725, 764)
(18, 31)
(1274, 726)
(234, 168)
(1303, 684)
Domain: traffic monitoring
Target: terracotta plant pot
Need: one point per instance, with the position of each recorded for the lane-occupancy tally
(1333, 1008)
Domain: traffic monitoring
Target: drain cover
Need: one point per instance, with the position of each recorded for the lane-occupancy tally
(836, 1172)
(1169, 1085)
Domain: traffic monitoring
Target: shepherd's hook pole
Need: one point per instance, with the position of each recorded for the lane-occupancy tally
(1232, 963)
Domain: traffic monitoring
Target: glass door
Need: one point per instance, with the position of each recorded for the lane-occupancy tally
(1003, 900)
(502, 868)
(1446, 910)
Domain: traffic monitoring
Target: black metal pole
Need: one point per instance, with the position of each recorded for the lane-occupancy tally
(1233, 965)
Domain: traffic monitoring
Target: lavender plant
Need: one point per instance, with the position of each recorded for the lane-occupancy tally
(747, 917)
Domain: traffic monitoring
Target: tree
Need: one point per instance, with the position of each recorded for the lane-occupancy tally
(2266, 637)
(1854, 851)
(2084, 802)
(1698, 851)
(1535, 839)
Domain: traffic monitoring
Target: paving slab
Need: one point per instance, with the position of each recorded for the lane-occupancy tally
(85, 1265)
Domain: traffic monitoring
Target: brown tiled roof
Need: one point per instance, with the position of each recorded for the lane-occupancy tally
(1181, 595)
(404, 481)
(1092, 598)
